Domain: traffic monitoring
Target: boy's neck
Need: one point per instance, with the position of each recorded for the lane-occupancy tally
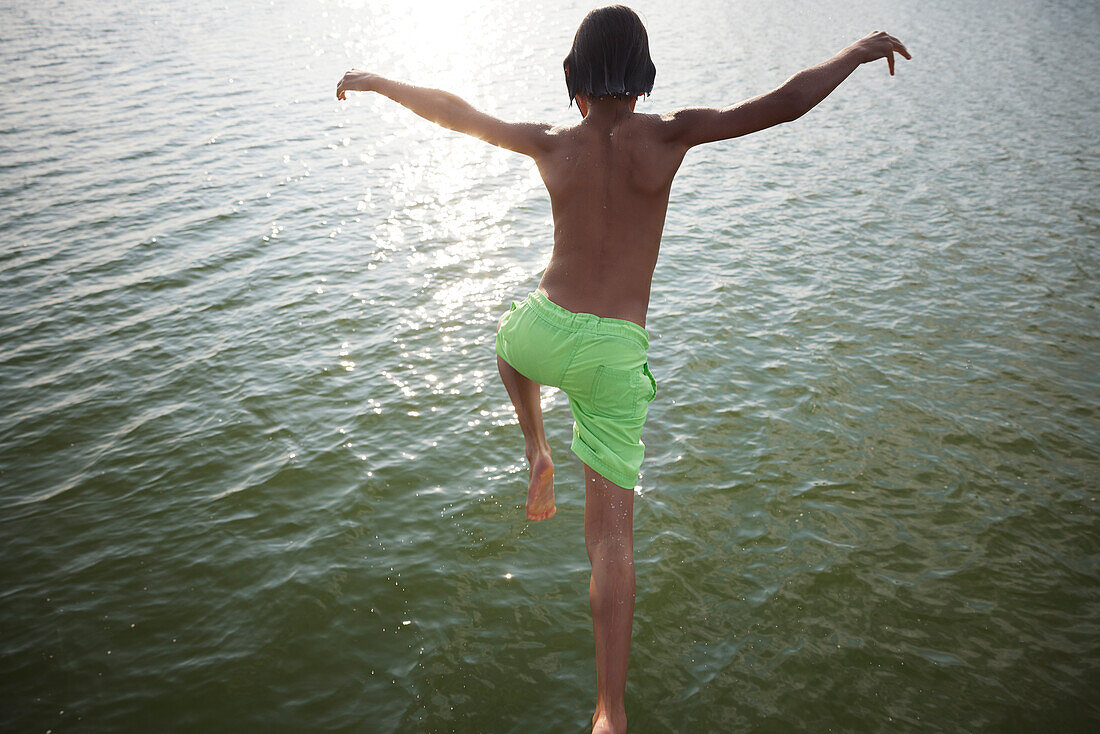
(606, 110)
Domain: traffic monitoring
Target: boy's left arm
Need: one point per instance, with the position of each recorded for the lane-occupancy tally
(453, 112)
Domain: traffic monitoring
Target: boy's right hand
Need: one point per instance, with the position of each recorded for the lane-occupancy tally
(354, 81)
(876, 45)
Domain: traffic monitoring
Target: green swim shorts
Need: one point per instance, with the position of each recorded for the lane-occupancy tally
(600, 363)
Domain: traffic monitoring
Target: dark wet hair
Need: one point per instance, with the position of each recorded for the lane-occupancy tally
(610, 56)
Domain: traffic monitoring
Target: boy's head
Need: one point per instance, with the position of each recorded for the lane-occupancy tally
(610, 56)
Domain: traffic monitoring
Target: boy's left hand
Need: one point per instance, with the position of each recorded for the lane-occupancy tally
(878, 45)
(354, 81)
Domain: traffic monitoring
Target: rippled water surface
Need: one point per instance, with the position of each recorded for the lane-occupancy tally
(258, 473)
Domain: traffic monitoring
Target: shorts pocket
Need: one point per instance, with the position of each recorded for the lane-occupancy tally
(500, 322)
(652, 382)
(615, 392)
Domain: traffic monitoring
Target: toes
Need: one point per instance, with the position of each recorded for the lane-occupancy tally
(542, 515)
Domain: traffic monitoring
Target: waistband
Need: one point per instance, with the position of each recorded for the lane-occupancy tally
(577, 321)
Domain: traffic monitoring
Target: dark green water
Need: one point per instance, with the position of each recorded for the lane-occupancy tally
(257, 472)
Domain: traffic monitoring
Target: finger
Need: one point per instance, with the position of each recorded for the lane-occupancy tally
(890, 61)
(899, 47)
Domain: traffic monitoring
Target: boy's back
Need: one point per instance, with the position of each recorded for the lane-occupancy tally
(609, 178)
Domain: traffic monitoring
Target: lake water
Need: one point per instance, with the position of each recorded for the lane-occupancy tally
(258, 473)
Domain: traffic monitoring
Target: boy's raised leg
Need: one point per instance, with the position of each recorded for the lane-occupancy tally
(609, 538)
(526, 399)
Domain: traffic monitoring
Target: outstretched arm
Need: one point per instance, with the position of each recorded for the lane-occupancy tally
(794, 98)
(450, 111)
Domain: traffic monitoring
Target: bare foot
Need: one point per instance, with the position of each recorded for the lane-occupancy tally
(602, 724)
(540, 490)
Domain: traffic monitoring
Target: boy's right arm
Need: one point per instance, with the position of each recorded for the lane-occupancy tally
(794, 98)
(452, 112)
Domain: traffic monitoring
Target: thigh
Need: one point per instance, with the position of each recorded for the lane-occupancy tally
(610, 388)
(537, 349)
(608, 509)
(608, 377)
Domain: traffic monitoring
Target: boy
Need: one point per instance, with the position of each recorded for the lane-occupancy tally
(583, 329)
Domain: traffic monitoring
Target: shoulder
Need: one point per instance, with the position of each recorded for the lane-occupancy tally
(677, 124)
(662, 127)
(563, 131)
(534, 139)
(553, 139)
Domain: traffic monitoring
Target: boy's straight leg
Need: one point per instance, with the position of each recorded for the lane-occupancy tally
(526, 398)
(609, 538)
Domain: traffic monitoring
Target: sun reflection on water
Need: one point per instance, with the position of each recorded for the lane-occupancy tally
(444, 41)
(440, 210)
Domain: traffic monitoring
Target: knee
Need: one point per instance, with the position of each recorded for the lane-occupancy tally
(610, 552)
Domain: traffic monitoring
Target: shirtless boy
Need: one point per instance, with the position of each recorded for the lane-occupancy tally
(583, 328)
